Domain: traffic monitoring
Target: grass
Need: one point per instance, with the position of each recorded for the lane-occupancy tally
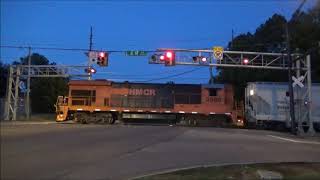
(290, 171)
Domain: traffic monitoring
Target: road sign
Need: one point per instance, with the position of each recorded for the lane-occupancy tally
(136, 53)
(218, 52)
(298, 81)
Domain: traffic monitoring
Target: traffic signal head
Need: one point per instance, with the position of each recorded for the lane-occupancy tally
(103, 58)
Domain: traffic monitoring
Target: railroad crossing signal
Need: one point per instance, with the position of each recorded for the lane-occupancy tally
(200, 59)
(90, 70)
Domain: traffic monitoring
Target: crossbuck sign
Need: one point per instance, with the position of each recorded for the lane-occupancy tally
(298, 81)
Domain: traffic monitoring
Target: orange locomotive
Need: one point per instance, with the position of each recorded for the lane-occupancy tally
(103, 101)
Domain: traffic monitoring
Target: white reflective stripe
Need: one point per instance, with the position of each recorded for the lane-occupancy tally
(113, 110)
(153, 111)
(212, 113)
(126, 110)
(194, 112)
(181, 112)
(97, 109)
(227, 113)
(140, 110)
(79, 109)
(167, 111)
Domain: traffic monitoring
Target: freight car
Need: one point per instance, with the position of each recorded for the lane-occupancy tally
(267, 105)
(103, 101)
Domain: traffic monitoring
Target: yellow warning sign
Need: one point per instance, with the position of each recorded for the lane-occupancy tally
(218, 52)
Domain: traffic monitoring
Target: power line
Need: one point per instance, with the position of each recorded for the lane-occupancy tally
(175, 75)
(149, 74)
(68, 49)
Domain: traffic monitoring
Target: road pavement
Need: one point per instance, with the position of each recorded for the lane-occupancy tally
(75, 151)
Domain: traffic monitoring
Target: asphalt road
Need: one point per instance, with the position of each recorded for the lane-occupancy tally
(74, 151)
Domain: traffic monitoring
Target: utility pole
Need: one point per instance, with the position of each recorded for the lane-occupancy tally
(232, 37)
(90, 48)
(28, 85)
(90, 40)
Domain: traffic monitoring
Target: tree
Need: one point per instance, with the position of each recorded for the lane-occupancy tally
(3, 79)
(269, 37)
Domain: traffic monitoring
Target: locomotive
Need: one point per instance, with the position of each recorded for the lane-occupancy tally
(104, 101)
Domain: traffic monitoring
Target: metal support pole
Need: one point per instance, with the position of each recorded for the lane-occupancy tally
(28, 86)
(9, 92)
(292, 114)
(311, 129)
(90, 49)
(211, 80)
(299, 101)
(16, 95)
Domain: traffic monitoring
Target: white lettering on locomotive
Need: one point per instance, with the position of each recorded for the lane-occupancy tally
(142, 92)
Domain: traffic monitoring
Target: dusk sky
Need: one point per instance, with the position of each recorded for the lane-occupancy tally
(131, 25)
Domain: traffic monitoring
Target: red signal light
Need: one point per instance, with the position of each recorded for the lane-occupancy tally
(169, 55)
(102, 54)
(93, 71)
(90, 70)
(245, 61)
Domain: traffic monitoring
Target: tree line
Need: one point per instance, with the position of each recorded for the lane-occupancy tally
(43, 91)
(304, 30)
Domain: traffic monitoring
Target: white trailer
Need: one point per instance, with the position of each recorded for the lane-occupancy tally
(267, 104)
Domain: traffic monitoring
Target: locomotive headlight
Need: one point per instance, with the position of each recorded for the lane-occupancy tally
(251, 92)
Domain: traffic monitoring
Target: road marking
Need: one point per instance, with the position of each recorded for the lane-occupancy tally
(295, 141)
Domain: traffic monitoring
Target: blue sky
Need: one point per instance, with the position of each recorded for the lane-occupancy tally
(131, 25)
